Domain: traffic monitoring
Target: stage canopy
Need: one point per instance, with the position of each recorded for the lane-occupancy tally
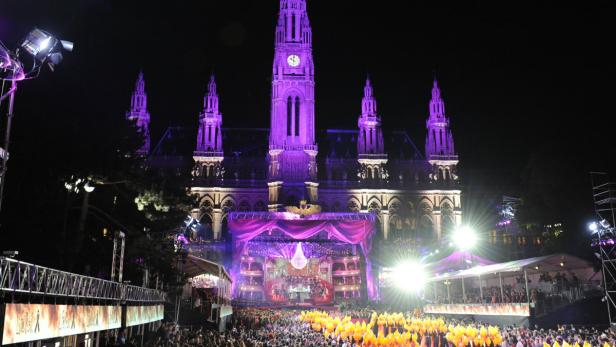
(456, 261)
(196, 266)
(351, 228)
(548, 263)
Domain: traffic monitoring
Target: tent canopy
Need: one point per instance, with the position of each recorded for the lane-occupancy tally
(456, 261)
(548, 263)
(196, 266)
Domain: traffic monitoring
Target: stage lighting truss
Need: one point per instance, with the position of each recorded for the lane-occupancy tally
(603, 237)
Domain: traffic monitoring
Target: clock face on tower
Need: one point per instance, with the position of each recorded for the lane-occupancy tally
(293, 60)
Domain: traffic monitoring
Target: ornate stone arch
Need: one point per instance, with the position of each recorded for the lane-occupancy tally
(227, 206)
(374, 205)
(395, 205)
(206, 202)
(225, 200)
(354, 204)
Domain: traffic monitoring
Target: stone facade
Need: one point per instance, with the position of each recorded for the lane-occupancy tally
(414, 195)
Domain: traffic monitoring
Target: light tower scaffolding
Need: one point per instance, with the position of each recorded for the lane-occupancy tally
(604, 236)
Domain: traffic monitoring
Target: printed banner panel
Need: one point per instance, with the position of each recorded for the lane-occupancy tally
(521, 310)
(136, 315)
(226, 310)
(32, 322)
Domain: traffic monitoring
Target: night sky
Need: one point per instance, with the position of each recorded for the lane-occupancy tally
(528, 88)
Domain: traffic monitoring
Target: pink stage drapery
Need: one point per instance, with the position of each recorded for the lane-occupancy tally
(356, 232)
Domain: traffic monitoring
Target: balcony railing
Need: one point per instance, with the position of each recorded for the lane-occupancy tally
(251, 273)
(343, 273)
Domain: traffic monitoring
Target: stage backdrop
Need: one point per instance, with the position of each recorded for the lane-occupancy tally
(351, 228)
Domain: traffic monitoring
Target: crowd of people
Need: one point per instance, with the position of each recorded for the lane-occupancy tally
(549, 291)
(282, 328)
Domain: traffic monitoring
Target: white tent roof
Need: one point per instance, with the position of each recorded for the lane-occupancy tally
(538, 264)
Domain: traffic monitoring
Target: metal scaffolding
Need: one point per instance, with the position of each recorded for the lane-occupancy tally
(28, 279)
(604, 197)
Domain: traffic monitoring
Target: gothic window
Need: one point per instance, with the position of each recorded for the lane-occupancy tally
(228, 206)
(289, 115)
(425, 228)
(353, 207)
(297, 116)
(412, 221)
(374, 207)
(447, 218)
(442, 139)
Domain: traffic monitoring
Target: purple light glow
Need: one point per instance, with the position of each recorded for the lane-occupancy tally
(354, 232)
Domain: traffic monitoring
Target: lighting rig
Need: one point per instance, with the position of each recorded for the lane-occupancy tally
(41, 48)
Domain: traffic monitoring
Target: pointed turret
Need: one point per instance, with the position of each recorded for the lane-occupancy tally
(370, 147)
(440, 150)
(209, 152)
(139, 113)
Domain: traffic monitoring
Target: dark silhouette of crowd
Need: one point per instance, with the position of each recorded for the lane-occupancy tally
(254, 327)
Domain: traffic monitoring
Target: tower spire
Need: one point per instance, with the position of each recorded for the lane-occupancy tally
(208, 153)
(139, 114)
(370, 147)
(440, 150)
(292, 143)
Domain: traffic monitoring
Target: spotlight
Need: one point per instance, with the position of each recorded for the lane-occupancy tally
(45, 47)
(88, 188)
(605, 224)
(10, 254)
(592, 226)
(562, 264)
(465, 238)
(410, 276)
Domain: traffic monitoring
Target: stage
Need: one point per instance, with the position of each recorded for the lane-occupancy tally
(291, 260)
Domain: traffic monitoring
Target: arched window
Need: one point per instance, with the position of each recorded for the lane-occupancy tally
(297, 116)
(289, 115)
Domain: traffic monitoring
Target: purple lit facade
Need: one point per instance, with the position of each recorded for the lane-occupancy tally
(414, 196)
(292, 145)
(139, 114)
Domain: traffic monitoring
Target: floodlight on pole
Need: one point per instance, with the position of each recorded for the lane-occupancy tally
(44, 48)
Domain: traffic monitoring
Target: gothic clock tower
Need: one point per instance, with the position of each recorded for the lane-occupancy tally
(292, 146)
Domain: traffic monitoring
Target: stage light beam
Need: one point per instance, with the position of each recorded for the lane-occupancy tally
(465, 238)
(410, 276)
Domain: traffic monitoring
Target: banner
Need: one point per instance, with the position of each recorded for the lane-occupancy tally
(522, 310)
(32, 322)
(226, 310)
(136, 315)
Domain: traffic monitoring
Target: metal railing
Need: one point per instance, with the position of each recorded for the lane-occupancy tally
(29, 279)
